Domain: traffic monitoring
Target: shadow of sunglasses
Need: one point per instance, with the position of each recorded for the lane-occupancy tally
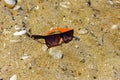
(52, 40)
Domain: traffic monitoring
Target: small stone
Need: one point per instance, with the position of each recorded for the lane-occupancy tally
(17, 27)
(36, 7)
(19, 33)
(83, 31)
(76, 38)
(76, 46)
(114, 27)
(24, 57)
(26, 17)
(16, 7)
(65, 4)
(44, 48)
(14, 77)
(5, 31)
(10, 3)
(110, 2)
(57, 54)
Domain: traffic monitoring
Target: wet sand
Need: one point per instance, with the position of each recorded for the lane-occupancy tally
(95, 55)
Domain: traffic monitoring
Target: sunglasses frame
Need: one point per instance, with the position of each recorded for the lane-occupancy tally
(65, 36)
(52, 40)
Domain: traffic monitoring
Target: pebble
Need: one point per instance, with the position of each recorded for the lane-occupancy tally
(19, 33)
(17, 27)
(77, 47)
(57, 54)
(83, 31)
(44, 48)
(14, 77)
(16, 7)
(114, 26)
(110, 2)
(5, 31)
(36, 7)
(10, 3)
(65, 4)
(24, 57)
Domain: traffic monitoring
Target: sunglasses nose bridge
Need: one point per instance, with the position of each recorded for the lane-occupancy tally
(61, 40)
(61, 35)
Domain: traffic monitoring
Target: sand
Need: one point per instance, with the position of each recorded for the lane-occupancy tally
(94, 55)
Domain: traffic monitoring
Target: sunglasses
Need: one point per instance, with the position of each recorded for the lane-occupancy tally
(53, 39)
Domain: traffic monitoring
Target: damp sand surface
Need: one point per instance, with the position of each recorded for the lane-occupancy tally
(93, 55)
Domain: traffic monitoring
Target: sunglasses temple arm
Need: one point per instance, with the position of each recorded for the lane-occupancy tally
(37, 36)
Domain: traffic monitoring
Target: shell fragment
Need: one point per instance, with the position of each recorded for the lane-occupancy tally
(19, 33)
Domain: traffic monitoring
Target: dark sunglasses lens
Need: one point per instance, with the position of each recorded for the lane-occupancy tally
(67, 36)
(52, 40)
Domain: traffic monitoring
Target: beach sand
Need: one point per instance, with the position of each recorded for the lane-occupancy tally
(94, 55)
